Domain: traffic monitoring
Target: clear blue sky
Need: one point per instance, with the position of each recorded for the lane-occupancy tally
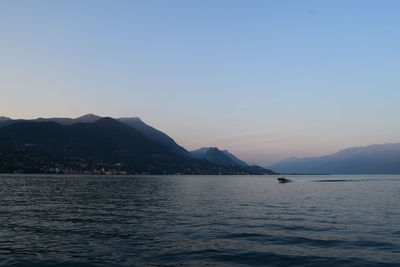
(264, 79)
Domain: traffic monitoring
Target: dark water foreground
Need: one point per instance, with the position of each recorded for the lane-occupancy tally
(199, 220)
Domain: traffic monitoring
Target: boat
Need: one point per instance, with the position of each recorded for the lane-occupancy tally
(283, 180)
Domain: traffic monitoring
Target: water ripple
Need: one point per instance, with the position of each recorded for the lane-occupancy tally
(199, 221)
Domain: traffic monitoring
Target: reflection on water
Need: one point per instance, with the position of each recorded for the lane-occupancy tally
(192, 220)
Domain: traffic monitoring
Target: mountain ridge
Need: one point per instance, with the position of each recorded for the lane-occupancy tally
(3, 118)
(371, 159)
(214, 154)
(155, 135)
(134, 122)
(106, 145)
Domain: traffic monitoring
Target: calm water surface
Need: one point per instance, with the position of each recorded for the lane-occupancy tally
(199, 220)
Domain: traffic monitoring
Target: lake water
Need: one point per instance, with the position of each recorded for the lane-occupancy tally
(199, 220)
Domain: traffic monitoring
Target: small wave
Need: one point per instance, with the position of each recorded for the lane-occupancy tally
(258, 258)
(315, 242)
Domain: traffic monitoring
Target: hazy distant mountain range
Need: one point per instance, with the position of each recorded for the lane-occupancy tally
(374, 159)
(92, 144)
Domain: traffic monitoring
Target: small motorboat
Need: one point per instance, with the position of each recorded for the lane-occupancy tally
(283, 180)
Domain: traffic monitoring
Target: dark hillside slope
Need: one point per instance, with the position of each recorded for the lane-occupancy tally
(155, 135)
(224, 158)
(106, 145)
(134, 122)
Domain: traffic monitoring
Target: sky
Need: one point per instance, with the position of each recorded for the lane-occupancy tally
(266, 80)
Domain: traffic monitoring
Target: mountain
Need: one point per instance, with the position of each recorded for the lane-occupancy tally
(373, 159)
(225, 158)
(214, 155)
(104, 146)
(89, 118)
(2, 118)
(154, 135)
(136, 123)
(66, 121)
(235, 159)
(199, 153)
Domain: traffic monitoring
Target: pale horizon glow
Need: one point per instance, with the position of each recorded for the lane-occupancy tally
(266, 80)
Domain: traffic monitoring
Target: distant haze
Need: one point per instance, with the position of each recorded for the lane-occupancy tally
(374, 159)
(266, 80)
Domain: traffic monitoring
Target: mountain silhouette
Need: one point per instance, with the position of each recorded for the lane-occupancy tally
(154, 135)
(134, 122)
(106, 144)
(213, 154)
(373, 159)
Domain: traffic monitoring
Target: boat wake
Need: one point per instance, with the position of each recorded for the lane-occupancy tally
(344, 180)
